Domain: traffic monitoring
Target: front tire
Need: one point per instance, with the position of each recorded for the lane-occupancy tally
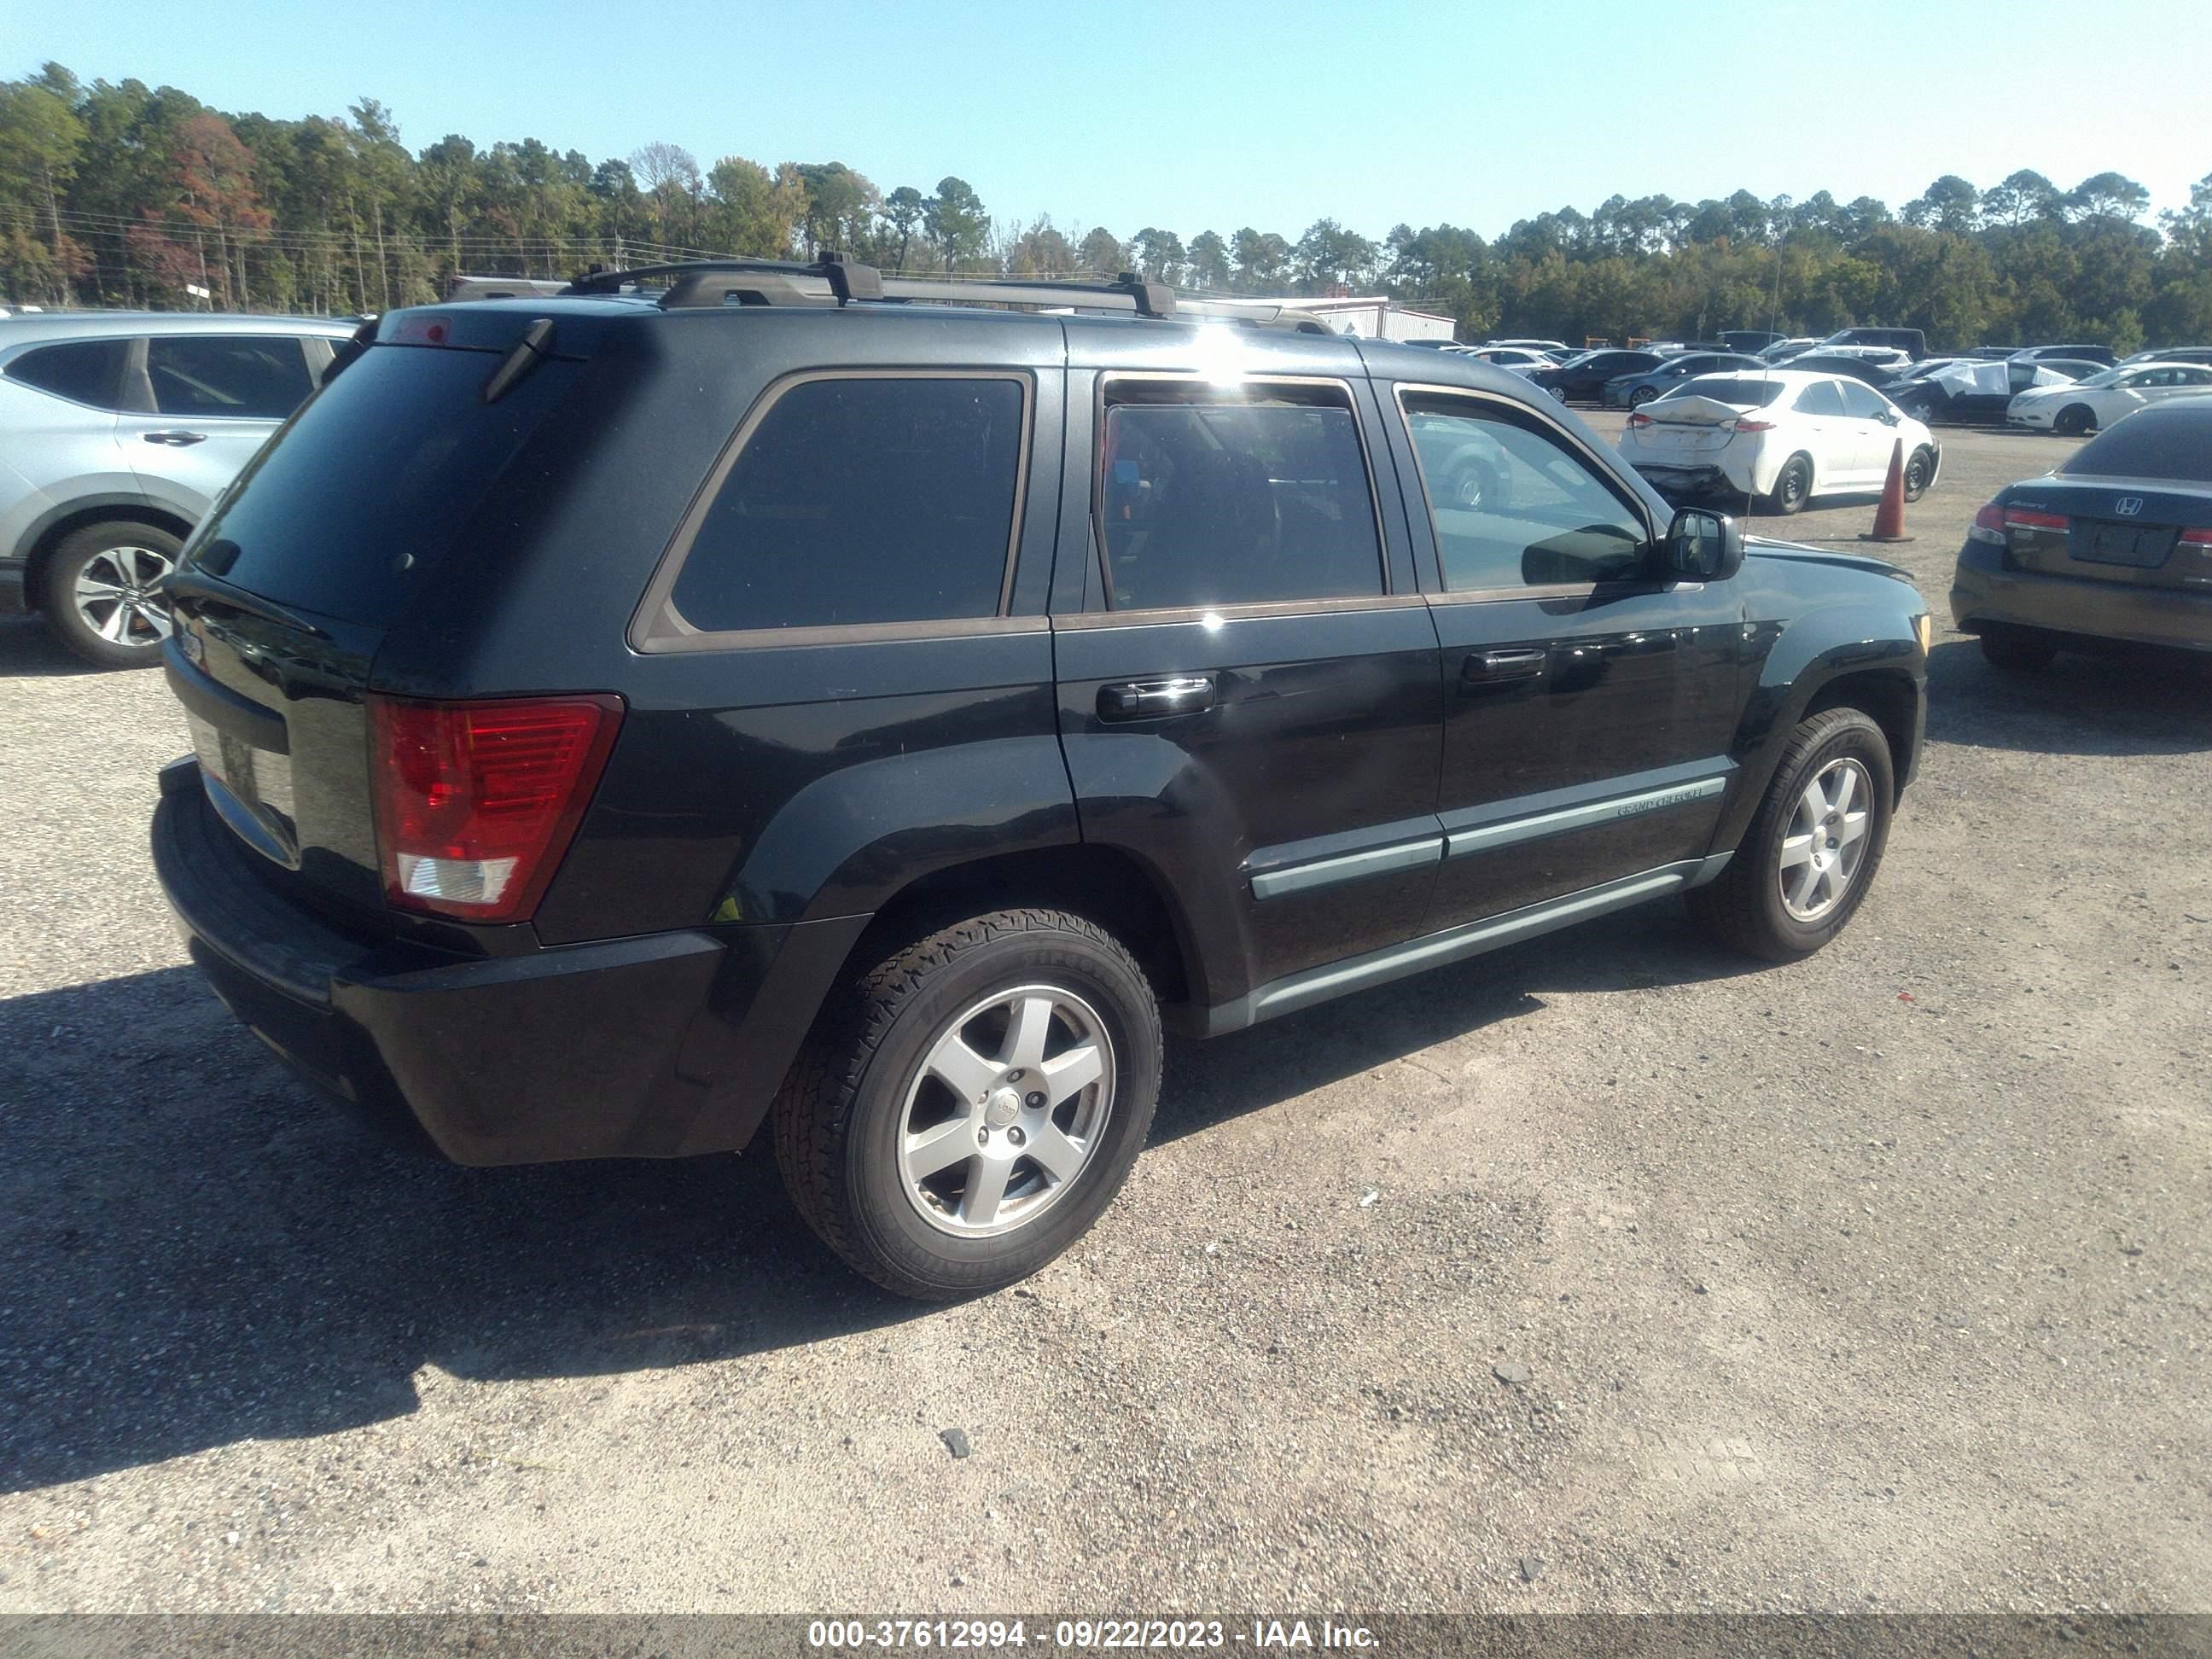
(1641, 395)
(973, 1102)
(1919, 470)
(101, 592)
(1805, 862)
(2074, 419)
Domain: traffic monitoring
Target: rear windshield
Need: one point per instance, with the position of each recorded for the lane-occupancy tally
(1748, 393)
(353, 505)
(2152, 443)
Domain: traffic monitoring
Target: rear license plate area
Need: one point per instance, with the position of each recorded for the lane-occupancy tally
(2101, 541)
(250, 789)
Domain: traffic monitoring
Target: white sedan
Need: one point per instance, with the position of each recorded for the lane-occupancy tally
(2098, 400)
(1782, 436)
(1521, 359)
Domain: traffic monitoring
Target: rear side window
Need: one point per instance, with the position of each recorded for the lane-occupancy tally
(2152, 443)
(241, 376)
(1821, 397)
(84, 371)
(355, 504)
(1254, 495)
(878, 498)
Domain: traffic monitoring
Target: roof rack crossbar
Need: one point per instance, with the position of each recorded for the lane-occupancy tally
(717, 282)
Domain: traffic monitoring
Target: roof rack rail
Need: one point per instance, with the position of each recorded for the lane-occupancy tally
(715, 282)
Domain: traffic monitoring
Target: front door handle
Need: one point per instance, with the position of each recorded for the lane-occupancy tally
(176, 439)
(1489, 668)
(1141, 699)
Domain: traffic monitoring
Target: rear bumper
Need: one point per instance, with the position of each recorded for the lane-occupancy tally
(657, 1046)
(1985, 594)
(1689, 478)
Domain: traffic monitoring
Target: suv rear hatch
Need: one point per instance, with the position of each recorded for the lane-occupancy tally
(333, 535)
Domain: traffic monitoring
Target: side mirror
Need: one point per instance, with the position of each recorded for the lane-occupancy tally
(1704, 547)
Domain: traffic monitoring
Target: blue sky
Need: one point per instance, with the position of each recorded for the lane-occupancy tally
(1127, 113)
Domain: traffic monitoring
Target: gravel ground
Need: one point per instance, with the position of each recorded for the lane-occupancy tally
(1605, 1273)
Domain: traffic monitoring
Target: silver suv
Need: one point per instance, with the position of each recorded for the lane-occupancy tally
(118, 431)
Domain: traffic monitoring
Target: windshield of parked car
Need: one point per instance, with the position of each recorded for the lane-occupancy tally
(2152, 443)
(1729, 389)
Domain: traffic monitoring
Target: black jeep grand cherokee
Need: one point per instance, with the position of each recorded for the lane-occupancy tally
(740, 692)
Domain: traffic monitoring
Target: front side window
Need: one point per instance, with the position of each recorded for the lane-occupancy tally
(243, 376)
(1253, 495)
(1514, 507)
(882, 499)
(1861, 402)
(84, 371)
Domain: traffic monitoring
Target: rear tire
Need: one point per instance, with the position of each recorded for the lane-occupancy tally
(98, 593)
(936, 1192)
(1754, 905)
(1793, 487)
(2017, 653)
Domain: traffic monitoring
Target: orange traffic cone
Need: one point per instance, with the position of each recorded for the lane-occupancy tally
(1889, 517)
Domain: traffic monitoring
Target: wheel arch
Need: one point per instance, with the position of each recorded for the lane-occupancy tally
(1853, 656)
(1101, 884)
(48, 532)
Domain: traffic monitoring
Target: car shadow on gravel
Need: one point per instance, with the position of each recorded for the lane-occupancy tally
(1638, 950)
(2136, 703)
(29, 651)
(200, 1252)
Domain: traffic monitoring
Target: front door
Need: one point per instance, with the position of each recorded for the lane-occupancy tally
(1591, 702)
(1248, 690)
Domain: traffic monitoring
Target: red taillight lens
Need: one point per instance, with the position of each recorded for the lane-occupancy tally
(1639, 419)
(2200, 536)
(2015, 519)
(1752, 426)
(1989, 527)
(475, 802)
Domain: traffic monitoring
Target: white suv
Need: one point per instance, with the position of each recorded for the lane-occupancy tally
(118, 431)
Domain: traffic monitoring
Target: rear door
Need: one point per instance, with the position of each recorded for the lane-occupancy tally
(202, 404)
(1249, 692)
(1590, 702)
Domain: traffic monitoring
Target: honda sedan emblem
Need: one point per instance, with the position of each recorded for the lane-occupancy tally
(2128, 505)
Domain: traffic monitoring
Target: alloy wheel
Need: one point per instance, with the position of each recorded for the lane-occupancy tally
(1825, 841)
(118, 596)
(1007, 1110)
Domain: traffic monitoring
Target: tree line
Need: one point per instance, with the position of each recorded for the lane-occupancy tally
(122, 195)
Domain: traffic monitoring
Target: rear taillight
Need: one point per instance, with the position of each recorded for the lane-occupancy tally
(2016, 518)
(1751, 426)
(475, 802)
(1639, 419)
(1989, 527)
(2199, 536)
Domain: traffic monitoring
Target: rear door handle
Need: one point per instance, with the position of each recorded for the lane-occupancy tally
(1140, 700)
(176, 439)
(1489, 668)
